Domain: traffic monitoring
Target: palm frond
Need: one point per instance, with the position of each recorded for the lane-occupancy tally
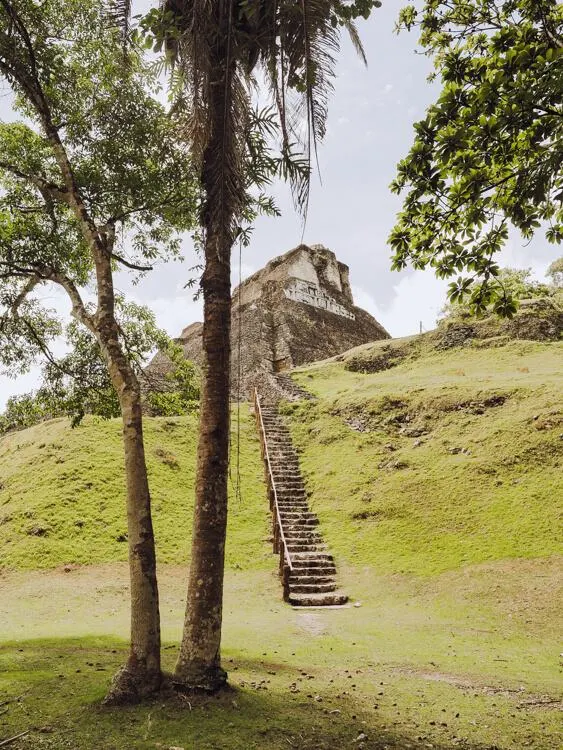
(350, 27)
(296, 45)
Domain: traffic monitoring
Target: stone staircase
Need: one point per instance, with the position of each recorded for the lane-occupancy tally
(289, 389)
(310, 578)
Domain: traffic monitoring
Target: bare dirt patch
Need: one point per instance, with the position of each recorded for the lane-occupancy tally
(311, 623)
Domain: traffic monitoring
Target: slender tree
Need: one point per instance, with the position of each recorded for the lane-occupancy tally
(92, 169)
(217, 47)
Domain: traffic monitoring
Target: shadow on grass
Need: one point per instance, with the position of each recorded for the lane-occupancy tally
(53, 689)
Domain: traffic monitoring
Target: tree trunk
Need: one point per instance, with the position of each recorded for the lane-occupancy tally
(141, 676)
(199, 661)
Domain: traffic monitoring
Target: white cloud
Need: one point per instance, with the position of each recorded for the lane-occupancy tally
(174, 313)
(417, 298)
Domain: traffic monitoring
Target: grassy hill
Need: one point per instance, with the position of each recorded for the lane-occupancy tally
(436, 474)
(62, 495)
(446, 459)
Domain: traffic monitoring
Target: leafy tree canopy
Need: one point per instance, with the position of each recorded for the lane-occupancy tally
(518, 283)
(79, 383)
(88, 122)
(555, 272)
(489, 152)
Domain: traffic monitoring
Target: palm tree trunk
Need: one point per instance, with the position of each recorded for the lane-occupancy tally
(199, 661)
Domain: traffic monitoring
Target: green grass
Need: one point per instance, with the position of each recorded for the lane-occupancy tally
(406, 668)
(438, 486)
(62, 494)
(446, 460)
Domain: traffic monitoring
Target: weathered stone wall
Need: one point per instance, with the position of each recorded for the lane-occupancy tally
(297, 309)
(311, 294)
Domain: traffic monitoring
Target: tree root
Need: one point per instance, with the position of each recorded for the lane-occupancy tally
(200, 680)
(129, 687)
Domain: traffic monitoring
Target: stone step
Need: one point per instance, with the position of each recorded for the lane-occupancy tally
(328, 599)
(311, 559)
(310, 579)
(301, 547)
(302, 544)
(313, 573)
(313, 566)
(298, 530)
(312, 588)
(298, 521)
(296, 537)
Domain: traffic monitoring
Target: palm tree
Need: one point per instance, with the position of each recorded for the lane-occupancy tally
(218, 46)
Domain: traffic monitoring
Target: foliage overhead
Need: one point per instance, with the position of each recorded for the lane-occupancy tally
(78, 383)
(489, 152)
(294, 45)
(87, 122)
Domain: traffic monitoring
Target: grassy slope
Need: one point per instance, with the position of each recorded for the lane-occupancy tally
(69, 483)
(452, 558)
(482, 481)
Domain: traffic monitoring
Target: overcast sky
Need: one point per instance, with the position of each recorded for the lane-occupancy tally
(352, 211)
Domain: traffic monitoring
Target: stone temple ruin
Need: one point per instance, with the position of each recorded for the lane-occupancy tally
(297, 309)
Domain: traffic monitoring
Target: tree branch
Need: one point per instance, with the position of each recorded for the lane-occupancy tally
(78, 307)
(128, 264)
(43, 185)
(27, 288)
